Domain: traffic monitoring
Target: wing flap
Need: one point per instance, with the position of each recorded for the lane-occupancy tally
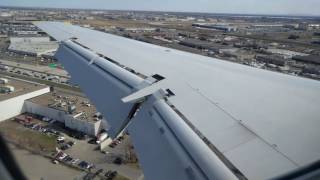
(168, 148)
(102, 81)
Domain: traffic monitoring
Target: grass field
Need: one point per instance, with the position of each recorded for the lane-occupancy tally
(27, 138)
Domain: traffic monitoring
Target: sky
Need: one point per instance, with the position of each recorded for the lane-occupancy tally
(283, 7)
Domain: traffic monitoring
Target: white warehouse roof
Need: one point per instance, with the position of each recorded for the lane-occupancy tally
(32, 45)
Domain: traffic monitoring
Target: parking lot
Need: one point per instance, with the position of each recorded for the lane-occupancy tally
(91, 153)
(36, 71)
(70, 148)
(42, 168)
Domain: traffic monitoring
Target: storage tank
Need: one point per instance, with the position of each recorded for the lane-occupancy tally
(10, 88)
(6, 89)
(3, 81)
(5, 68)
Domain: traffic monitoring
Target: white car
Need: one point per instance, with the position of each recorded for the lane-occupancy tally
(74, 161)
(46, 119)
(62, 156)
(60, 138)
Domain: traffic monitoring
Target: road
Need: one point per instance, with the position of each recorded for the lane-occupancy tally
(41, 81)
(36, 68)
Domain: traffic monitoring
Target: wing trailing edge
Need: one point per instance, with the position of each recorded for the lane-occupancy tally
(166, 145)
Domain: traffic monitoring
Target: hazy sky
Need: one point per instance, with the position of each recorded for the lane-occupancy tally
(292, 7)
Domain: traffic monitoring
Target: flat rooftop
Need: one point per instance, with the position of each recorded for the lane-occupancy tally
(61, 101)
(34, 47)
(21, 87)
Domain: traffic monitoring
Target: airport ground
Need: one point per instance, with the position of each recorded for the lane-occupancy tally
(38, 167)
(30, 145)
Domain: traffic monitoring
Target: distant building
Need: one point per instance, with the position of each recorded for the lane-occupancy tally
(26, 18)
(29, 39)
(250, 45)
(5, 14)
(222, 27)
(291, 26)
(267, 25)
(25, 33)
(3, 81)
(198, 44)
(313, 26)
(271, 59)
(287, 54)
(236, 53)
(308, 59)
(142, 29)
(34, 46)
(311, 70)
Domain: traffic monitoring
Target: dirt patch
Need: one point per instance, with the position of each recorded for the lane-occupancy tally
(30, 139)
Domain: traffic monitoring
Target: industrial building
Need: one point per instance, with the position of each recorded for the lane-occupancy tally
(13, 96)
(74, 111)
(198, 44)
(20, 96)
(19, 28)
(308, 59)
(34, 46)
(287, 54)
(271, 59)
(3, 81)
(222, 27)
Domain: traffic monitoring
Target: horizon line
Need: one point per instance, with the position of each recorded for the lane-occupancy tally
(137, 10)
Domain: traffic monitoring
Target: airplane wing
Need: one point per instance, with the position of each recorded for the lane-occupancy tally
(191, 116)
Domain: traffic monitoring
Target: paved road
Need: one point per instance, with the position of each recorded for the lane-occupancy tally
(41, 81)
(36, 68)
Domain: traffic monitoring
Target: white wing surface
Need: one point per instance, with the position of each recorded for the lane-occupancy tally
(191, 116)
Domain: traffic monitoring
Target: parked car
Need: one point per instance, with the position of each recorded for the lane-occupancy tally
(116, 142)
(74, 161)
(110, 174)
(65, 147)
(111, 145)
(67, 158)
(60, 142)
(60, 138)
(79, 136)
(84, 164)
(55, 161)
(35, 126)
(71, 143)
(99, 171)
(62, 156)
(118, 161)
(55, 132)
(120, 138)
(46, 119)
(92, 141)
